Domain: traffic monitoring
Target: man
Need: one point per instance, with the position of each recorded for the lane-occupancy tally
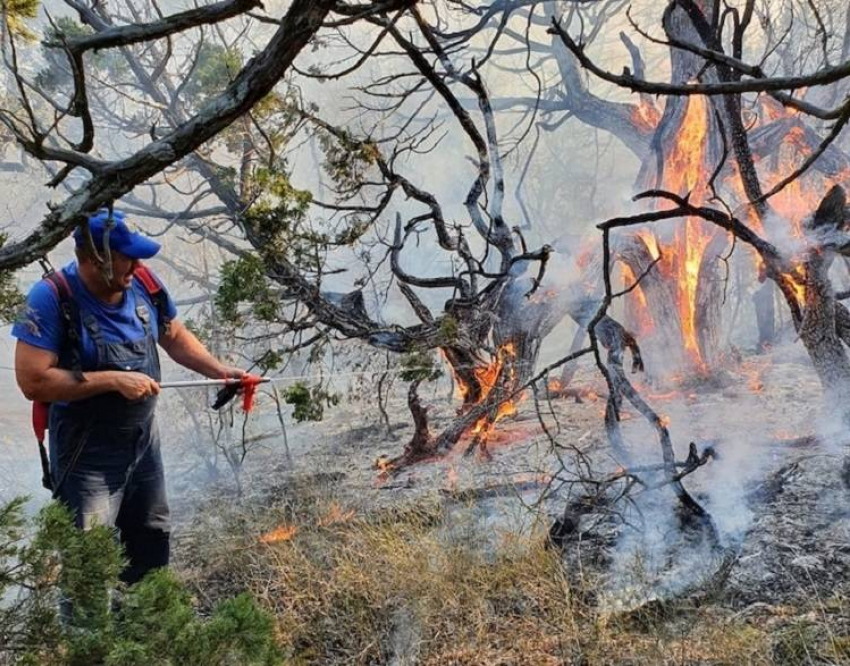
(100, 370)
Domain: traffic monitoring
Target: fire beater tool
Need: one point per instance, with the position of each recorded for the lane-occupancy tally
(230, 388)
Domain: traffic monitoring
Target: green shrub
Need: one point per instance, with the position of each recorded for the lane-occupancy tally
(154, 623)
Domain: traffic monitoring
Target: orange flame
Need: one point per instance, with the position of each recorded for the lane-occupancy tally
(686, 172)
(487, 378)
(282, 533)
(336, 515)
(645, 115)
(639, 303)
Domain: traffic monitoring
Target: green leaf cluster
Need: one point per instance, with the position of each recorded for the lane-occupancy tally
(449, 330)
(18, 12)
(56, 74)
(347, 159)
(244, 281)
(216, 68)
(46, 558)
(279, 217)
(309, 402)
(11, 299)
(419, 365)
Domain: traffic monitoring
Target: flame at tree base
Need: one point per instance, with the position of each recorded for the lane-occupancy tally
(499, 375)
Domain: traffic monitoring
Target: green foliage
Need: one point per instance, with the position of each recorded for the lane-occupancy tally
(18, 12)
(245, 281)
(347, 159)
(215, 69)
(309, 402)
(56, 74)
(279, 217)
(419, 365)
(270, 360)
(156, 623)
(11, 300)
(449, 330)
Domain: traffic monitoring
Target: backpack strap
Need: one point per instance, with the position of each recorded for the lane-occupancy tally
(70, 320)
(158, 295)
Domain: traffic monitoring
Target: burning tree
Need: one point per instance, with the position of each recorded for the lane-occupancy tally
(802, 275)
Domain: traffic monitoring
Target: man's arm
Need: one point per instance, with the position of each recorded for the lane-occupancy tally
(40, 379)
(182, 346)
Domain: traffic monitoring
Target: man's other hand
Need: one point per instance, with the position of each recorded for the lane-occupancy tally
(135, 385)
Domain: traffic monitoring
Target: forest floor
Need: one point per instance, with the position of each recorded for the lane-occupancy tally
(448, 561)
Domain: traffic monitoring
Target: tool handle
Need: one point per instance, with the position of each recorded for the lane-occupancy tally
(188, 383)
(200, 382)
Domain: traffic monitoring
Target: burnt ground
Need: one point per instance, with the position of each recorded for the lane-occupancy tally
(776, 491)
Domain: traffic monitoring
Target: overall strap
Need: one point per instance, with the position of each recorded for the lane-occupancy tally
(71, 322)
(153, 287)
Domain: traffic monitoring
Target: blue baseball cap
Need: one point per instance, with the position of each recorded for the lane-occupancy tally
(121, 239)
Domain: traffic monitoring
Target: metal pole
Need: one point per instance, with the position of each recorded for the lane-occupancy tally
(207, 382)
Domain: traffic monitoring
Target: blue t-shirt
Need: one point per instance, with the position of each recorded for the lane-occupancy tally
(41, 324)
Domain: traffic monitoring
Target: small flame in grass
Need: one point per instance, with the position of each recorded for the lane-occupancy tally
(754, 374)
(384, 466)
(663, 397)
(282, 533)
(336, 515)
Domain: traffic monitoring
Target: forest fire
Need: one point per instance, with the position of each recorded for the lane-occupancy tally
(500, 371)
(335, 515)
(688, 167)
(645, 115)
(686, 171)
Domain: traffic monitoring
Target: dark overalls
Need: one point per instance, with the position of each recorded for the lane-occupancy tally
(105, 453)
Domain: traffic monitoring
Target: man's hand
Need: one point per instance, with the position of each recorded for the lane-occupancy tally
(232, 373)
(135, 385)
(40, 379)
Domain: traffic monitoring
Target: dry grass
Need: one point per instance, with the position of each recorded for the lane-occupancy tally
(398, 587)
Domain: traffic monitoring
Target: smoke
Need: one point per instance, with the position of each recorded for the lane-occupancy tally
(785, 234)
(756, 431)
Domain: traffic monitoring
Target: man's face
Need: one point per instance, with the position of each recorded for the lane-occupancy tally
(122, 271)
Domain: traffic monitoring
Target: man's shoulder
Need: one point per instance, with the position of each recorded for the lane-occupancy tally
(39, 321)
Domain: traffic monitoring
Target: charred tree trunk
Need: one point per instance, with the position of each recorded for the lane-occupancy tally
(464, 363)
(711, 282)
(421, 445)
(822, 328)
(765, 306)
(659, 293)
(686, 150)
